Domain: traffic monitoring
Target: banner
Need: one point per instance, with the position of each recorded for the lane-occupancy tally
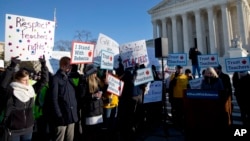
(177, 59)
(27, 37)
(210, 60)
(154, 93)
(237, 64)
(107, 60)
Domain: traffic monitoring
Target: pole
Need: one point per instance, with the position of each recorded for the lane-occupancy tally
(164, 99)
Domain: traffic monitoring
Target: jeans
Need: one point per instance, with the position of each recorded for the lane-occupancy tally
(25, 137)
(109, 116)
(196, 68)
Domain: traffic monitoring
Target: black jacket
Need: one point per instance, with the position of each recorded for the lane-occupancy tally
(63, 98)
(18, 115)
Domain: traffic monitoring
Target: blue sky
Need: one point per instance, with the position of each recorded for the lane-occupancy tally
(122, 20)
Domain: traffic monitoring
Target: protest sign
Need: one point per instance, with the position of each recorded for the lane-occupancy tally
(108, 44)
(82, 53)
(115, 85)
(143, 76)
(107, 60)
(237, 64)
(134, 53)
(27, 37)
(210, 60)
(177, 59)
(154, 93)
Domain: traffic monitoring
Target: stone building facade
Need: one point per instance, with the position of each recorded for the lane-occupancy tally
(210, 25)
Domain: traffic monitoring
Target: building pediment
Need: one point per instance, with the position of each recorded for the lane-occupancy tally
(165, 4)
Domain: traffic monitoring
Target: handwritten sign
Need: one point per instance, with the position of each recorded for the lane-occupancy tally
(237, 64)
(143, 76)
(108, 44)
(177, 59)
(202, 94)
(195, 83)
(82, 53)
(210, 60)
(27, 37)
(133, 53)
(107, 60)
(115, 85)
(154, 93)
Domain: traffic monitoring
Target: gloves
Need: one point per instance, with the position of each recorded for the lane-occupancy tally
(14, 61)
(42, 61)
(60, 121)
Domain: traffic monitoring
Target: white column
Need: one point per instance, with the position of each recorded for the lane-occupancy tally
(211, 26)
(174, 35)
(241, 22)
(198, 30)
(225, 26)
(185, 32)
(154, 29)
(164, 27)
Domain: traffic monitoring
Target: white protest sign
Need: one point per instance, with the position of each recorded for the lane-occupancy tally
(195, 83)
(108, 44)
(133, 53)
(154, 93)
(1, 64)
(143, 76)
(82, 53)
(237, 64)
(115, 85)
(27, 37)
(210, 60)
(177, 59)
(107, 60)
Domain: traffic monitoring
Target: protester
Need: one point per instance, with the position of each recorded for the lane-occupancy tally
(18, 118)
(193, 56)
(64, 104)
(91, 103)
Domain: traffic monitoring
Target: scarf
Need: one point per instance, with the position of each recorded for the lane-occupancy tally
(22, 92)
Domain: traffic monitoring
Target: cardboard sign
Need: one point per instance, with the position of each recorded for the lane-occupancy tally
(237, 64)
(107, 60)
(27, 37)
(177, 59)
(143, 76)
(134, 53)
(210, 60)
(82, 53)
(115, 85)
(154, 93)
(195, 83)
(108, 44)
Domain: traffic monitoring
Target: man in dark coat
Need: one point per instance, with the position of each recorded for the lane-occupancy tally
(64, 103)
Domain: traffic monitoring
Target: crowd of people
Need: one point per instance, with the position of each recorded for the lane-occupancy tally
(70, 106)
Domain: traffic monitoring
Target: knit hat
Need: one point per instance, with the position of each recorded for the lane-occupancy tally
(90, 67)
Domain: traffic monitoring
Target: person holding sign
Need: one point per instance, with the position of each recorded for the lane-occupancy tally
(178, 83)
(90, 103)
(19, 97)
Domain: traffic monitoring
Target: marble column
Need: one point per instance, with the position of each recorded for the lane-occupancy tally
(225, 26)
(185, 32)
(211, 26)
(198, 29)
(174, 34)
(241, 22)
(164, 27)
(154, 29)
